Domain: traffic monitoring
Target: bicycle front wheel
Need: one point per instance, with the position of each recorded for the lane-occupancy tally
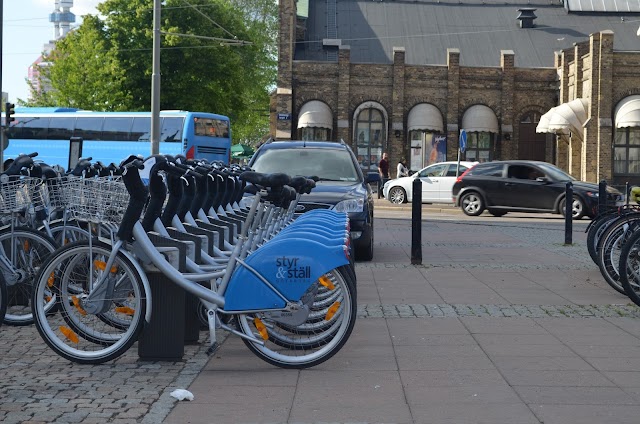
(78, 332)
(286, 347)
(24, 251)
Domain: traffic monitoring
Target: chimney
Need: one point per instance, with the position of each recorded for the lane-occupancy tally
(526, 17)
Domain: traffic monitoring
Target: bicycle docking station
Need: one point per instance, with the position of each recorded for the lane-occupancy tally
(174, 315)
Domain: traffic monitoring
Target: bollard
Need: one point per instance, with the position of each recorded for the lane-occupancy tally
(416, 223)
(627, 192)
(602, 197)
(568, 214)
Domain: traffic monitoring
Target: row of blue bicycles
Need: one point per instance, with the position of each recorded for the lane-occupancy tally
(76, 247)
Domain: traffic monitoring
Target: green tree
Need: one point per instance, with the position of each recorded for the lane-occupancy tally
(217, 56)
(83, 72)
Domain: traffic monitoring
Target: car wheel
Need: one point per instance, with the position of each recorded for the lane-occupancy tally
(496, 212)
(397, 195)
(472, 204)
(365, 253)
(577, 209)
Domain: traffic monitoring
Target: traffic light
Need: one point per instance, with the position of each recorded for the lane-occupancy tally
(10, 110)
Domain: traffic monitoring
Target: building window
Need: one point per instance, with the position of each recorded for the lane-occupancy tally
(479, 147)
(626, 151)
(371, 136)
(315, 134)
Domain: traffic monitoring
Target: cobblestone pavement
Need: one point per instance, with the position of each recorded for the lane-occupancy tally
(38, 386)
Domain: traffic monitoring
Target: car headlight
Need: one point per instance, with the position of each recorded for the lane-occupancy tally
(593, 194)
(350, 205)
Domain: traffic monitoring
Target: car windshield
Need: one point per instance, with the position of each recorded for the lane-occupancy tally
(555, 173)
(326, 164)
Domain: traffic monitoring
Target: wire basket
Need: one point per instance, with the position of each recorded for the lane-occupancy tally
(99, 200)
(57, 195)
(19, 193)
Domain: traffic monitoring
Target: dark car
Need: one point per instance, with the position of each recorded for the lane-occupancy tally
(525, 186)
(342, 186)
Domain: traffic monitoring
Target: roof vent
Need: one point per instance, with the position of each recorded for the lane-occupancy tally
(526, 17)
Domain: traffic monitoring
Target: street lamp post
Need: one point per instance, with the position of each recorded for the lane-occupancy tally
(155, 81)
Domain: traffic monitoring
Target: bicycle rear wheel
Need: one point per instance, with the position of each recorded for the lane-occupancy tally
(286, 348)
(75, 333)
(610, 246)
(630, 268)
(25, 250)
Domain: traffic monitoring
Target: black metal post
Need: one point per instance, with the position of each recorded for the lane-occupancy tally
(568, 214)
(627, 192)
(602, 197)
(416, 223)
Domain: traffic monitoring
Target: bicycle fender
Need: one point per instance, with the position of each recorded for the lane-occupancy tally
(290, 265)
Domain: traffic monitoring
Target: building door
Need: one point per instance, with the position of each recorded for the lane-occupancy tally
(531, 145)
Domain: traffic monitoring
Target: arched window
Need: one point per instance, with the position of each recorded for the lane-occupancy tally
(371, 136)
(626, 140)
(481, 125)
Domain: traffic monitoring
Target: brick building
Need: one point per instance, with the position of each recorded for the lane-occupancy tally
(528, 79)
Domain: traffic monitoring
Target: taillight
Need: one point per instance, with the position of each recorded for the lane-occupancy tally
(463, 174)
(191, 152)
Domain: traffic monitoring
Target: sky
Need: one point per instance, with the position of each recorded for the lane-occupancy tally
(26, 29)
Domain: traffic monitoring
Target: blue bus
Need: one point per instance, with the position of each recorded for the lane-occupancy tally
(112, 136)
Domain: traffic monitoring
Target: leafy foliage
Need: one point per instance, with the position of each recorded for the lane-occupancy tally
(217, 56)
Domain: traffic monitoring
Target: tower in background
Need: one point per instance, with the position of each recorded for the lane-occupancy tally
(61, 18)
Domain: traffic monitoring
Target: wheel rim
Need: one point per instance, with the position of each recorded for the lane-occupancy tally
(471, 203)
(308, 346)
(96, 342)
(396, 195)
(576, 208)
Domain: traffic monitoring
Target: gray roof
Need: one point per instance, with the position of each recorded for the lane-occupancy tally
(480, 29)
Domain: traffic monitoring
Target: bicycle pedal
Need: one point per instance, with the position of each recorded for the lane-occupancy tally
(212, 349)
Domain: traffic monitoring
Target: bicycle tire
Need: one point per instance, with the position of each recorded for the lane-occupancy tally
(84, 337)
(71, 230)
(306, 354)
(630, 263)
(595, 231)
(33, 249)
(609, 247)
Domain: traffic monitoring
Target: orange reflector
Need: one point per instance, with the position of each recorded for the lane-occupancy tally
(326, 282)
(125, 310)
(51, 279)
(261, 328)
(76, 303)
(69, 334)
(25, 245)
(101, 265)
(332, 311)
(48, 298)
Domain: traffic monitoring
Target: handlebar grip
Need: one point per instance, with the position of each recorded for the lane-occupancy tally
(33, 155)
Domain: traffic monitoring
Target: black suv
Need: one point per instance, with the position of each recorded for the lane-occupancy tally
(525, 186)
(342, 186)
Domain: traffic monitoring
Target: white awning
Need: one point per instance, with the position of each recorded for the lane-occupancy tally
(570, 116)
(627, 112)
(425, 116)
(543, 124)
(315, 114)
(480, 118)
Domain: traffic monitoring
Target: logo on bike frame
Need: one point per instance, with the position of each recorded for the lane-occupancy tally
(291, 268)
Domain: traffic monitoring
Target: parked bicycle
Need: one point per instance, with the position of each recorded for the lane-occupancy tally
(284, 285)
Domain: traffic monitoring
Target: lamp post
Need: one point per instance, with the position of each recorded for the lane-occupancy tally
(155, 81)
